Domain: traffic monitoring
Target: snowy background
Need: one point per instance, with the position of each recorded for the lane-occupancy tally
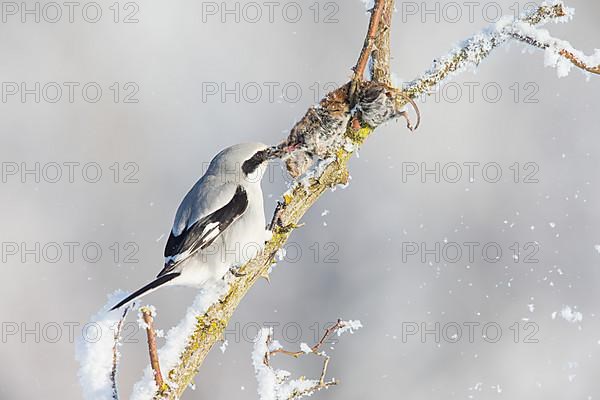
(362, 254)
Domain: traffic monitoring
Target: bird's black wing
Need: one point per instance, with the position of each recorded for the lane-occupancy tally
(203, 233)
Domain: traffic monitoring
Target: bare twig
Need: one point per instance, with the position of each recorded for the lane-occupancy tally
(363, 58)
(578, 62)
(151, 334)
(562, 48)
(116, 355)
(322, 383)
(315, 349)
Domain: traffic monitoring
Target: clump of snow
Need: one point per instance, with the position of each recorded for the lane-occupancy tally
(315, 171)
(553, 47)
(369, 4)
(349, 326)
(274, 345)
(569, 11)
(305, 348)
(280, 254)
(265, 376)
(176, 338)
(223, 347)
(569, 315)
(291, 388)
(552, 58)
(94, 351)
(141, 323)
(349, 146)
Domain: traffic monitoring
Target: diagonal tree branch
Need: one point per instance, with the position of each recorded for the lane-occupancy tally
(381, 54)
(372, 35)
(377, 103)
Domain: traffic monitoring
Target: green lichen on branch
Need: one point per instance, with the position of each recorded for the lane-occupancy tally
(210, 326)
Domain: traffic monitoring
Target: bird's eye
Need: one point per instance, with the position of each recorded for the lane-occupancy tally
(250, 165)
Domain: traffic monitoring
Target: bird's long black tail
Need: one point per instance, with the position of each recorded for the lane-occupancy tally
(148, 288)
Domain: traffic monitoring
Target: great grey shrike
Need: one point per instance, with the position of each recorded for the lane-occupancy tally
(220, 223)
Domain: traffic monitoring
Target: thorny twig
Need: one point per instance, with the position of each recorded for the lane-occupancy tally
(115, 355)
(151, 334)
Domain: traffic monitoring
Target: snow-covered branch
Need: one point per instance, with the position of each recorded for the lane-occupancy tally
(325, 139)
(558, 53)
(98, 352)
(275, 384)
(469, 54)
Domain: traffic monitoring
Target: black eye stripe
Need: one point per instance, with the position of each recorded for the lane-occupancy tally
(250, 165)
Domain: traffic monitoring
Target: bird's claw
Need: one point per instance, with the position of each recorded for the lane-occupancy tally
(290, 227)
(409, 124)
(235, 271)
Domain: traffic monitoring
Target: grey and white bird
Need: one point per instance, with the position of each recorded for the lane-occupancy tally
(220, 223)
